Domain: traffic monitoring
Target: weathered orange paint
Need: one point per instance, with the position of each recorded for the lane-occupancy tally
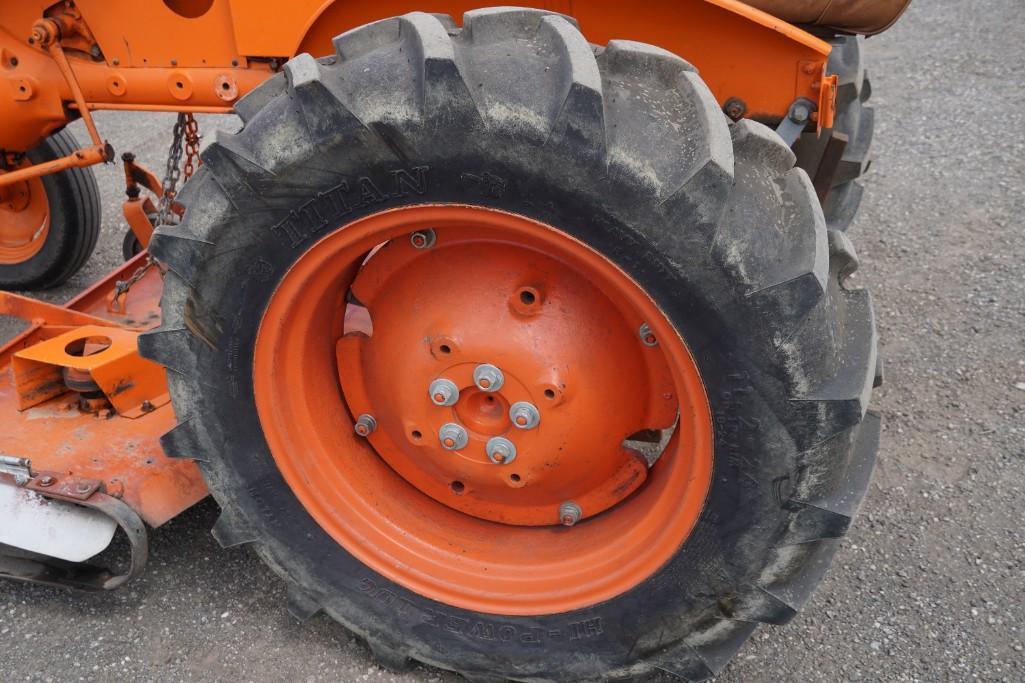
(146, 65)
(24, 220)
(58, 437)
(389, 517)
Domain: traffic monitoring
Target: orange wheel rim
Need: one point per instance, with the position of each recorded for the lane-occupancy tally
(403, 443)
(24, 220)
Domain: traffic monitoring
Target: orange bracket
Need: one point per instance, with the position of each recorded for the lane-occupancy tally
(46, 32)
(134, 386)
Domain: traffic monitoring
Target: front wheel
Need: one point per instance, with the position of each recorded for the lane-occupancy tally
(518, 360)
(48, 225)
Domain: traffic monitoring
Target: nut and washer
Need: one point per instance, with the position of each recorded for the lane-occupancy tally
(452, 437)
(500, 450)
(444, 392)
(488, 378)
(423, 239)
(648, 337)
(569, 513)
(524, 415)
(365, 425)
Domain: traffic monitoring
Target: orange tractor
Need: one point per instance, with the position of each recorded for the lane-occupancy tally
(517, 340)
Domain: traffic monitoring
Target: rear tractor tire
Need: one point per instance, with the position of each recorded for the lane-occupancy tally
(421, 308)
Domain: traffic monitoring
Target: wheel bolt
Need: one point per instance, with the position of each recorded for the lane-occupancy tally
(569, 513)
(488, 378)
(524, 415)
(423, 239)
(452, 437)
(365, 425)
(648, 337)
(500, 450)
(444, 392)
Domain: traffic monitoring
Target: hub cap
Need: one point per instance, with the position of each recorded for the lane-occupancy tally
(502, 366)
(24, 220)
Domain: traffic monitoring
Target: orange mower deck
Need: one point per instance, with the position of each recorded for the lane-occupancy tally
(99, 447)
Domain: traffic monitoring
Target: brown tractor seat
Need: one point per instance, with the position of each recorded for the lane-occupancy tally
(867, 17)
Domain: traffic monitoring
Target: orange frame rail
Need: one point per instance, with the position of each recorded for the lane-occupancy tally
(60, 61)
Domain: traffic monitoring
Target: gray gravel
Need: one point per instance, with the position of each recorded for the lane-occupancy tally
(928, 586)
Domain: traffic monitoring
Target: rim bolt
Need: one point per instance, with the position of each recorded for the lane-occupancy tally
(648, 337)
(365, 425)
(423, 239)
(444, 392)
(488, 378)
(569, 513)
(452, 437)
(500, 450)
(524, 415)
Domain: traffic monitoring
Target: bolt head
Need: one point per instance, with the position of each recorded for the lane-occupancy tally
(423, 239)
(488, 378)
(648, 337)
(365, 425)
(800, 113)
(443, 392)
(500, 450)
(524, 415)
(453, 437)
(46, 480)
(569, 513)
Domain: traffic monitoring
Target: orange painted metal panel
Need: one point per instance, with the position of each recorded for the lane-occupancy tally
(57, 436)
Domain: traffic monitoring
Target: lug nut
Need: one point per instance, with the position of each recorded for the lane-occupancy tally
(444, 392)
(488, 378)
(524, 415)
(365, 425)
(500, 450)
(452, 437)
(648, 337)
(423, 239)
(569, 513)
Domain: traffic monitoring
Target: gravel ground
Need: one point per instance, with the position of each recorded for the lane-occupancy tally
(929, 584)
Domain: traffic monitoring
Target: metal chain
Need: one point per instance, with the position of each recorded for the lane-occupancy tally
(121, 287)
(192, 159)
(172, 172)
(185, 130)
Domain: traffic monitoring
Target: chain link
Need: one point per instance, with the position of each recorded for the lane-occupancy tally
(121, 287)
(185, 130)
(192, 159)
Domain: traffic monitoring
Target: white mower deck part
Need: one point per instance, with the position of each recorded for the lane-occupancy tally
(52, 527)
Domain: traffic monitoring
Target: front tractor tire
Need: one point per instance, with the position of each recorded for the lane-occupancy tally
(432, 200)
(48, 225)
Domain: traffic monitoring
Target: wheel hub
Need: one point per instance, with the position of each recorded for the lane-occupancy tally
(24, 220)
(520, 328)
